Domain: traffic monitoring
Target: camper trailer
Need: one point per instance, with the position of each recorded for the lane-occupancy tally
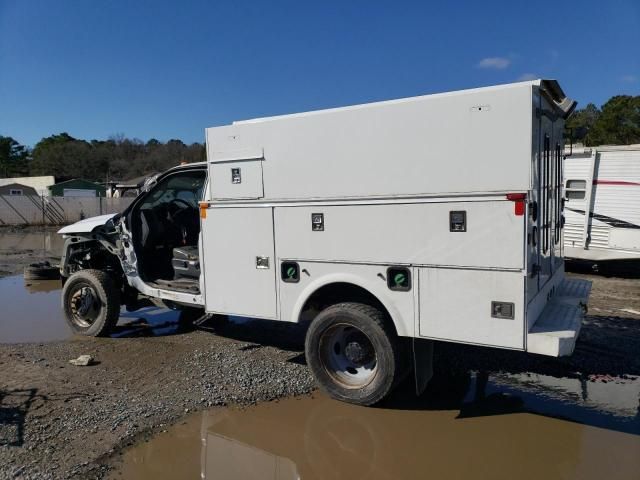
(602, 211)
(385, 227)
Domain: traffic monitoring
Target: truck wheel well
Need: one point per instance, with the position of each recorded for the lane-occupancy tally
(338, 293)
(91, 254)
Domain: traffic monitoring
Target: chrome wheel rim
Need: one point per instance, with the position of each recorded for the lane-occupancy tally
(85, 306)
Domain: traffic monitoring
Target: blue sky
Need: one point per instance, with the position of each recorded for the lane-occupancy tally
(156, 69)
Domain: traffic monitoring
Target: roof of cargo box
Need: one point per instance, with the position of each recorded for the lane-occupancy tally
(551, 88)
(477, 140)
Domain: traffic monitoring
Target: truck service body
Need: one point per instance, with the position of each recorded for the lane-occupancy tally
(433, 218)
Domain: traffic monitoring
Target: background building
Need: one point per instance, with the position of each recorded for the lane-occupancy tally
(77, 188)
(39, 184)
(17, 189)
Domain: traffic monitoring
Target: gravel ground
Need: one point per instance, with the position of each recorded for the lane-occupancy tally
(62, 421)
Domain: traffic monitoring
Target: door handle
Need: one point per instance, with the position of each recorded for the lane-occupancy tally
(262, 262)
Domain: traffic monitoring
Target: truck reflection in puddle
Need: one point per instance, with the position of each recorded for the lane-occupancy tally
(227, 458)
(602, 401)
(502, 426)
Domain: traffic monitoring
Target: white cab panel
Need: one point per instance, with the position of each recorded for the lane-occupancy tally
(455, 305)
(87, 225)
(234, 238)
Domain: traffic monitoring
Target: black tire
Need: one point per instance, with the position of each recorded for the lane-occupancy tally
(41, 271)
(373, 365)
(91, 303)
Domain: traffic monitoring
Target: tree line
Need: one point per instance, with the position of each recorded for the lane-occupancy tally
(617, 122)
(117, 158)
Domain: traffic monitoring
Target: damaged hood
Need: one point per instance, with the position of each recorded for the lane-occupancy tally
(87, 225)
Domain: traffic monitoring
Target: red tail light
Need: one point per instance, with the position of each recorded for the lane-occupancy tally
(518, 199)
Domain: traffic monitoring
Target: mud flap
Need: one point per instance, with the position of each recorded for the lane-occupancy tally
(422, 363)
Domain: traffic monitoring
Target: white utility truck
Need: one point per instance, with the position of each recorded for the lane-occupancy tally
(385, 226)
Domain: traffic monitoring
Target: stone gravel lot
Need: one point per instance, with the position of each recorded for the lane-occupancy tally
(62, 421)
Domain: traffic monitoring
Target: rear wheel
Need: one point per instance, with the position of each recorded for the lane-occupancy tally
(353, 354)
(91, 303)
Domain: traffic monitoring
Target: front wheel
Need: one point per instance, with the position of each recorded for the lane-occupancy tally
(353, 354)
(91, 303)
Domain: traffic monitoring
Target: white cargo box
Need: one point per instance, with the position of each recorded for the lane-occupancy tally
(475, 140)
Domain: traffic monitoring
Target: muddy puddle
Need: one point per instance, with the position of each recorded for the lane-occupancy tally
(47, 241)
(31, 312)
(501, 426)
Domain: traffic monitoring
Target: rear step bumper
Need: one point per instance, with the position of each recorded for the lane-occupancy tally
(557, 329)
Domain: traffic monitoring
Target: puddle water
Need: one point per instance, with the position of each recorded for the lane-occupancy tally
(500, 429)
(16, 241)
(31, 312)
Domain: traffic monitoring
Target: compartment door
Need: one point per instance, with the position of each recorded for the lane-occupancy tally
(236, 174)
(455, 306)
(239, 264)
(236, 180)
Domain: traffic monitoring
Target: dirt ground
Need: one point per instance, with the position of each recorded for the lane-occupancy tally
(62, 421)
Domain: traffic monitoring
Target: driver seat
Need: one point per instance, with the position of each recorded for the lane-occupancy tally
(186, 262)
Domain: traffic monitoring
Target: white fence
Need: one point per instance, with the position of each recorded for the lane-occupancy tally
(34, 210)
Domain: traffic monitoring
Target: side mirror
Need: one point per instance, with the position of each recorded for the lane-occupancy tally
(149, 183)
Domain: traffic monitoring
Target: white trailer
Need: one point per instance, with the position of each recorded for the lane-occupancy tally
(386, 226)
(602, 190)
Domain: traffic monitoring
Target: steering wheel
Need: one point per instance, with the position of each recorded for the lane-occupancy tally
(178, 212)
(183, 202)
(178, 205)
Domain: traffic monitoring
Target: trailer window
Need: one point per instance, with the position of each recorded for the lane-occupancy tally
(579, 184)
(575, 189)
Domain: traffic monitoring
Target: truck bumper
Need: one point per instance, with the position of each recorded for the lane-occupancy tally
(556, 331)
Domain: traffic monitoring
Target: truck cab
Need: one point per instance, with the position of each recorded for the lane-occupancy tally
(150, 249)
